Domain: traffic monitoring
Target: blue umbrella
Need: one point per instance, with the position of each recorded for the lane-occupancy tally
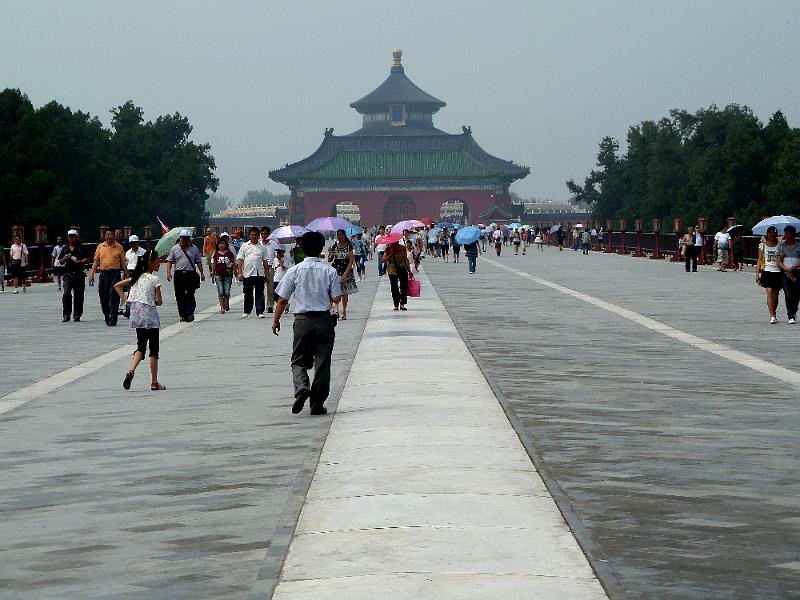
(779, 221)
(468, 235)
(515, 226)
(354, 230)
(444, 225)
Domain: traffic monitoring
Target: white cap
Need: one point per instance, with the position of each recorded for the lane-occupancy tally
(72, 232)
(224, 234)
(185, 233)
(133, 238)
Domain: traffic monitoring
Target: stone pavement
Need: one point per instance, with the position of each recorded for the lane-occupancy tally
(678, 469)
(189, 493)
(423, 490)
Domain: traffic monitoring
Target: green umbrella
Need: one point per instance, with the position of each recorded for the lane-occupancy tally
(169, 239)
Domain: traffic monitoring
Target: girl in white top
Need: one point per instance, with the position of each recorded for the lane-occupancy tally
(144, 297)
(768, 273)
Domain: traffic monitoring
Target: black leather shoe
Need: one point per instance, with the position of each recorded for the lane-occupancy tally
(300, 401)
(320, 411)
(77, 319)
(65, 320)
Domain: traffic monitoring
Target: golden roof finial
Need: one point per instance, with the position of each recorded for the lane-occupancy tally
(397, 55)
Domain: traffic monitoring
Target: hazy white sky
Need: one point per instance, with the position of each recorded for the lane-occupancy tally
(540, 82)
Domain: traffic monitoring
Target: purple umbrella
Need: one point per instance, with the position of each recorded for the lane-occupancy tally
(287, 234)
(412, 224)
(326, 224)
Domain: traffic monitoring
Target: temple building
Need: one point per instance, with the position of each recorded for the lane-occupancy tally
(399, 166)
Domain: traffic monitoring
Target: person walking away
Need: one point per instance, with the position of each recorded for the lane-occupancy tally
(444, 244)
(270, 245)
(360, 254)
(789, 262)
(74, 259)
(144, 297)
(280, 265)
(738, 252)
(721, 245)
(313, 285)
(341, 258)
(380, 249)
(183, 257)
(397, 266)
(768, 273)
(58, 268)
(3, 267)
(498, 241)
(689, 250)
(471, 251)
(252, 266)
(516, 238)
(19, 264)
(586, 241)
(224, 265)
(109, 260)
(432, 239)
(209, 248)
(456, 248)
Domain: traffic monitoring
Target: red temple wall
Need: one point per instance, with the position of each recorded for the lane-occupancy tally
(371, 204)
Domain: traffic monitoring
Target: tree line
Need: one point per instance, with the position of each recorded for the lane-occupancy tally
(714, 163)
(60, 167)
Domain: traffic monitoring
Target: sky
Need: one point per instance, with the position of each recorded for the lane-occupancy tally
(540, 82)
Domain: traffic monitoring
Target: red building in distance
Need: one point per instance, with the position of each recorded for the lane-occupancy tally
(399, 166)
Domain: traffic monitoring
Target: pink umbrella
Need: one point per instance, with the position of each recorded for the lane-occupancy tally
(325, 224)
(389, 238)
(412, 224)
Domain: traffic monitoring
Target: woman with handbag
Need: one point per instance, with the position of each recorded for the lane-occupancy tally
(342, 258)
(144, 297)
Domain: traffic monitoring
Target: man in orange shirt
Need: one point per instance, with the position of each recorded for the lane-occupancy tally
(209, 247)
(109, 260)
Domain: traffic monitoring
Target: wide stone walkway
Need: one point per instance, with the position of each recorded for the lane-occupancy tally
(424, 490)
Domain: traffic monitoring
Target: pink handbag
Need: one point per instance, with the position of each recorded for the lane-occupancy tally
(414, 288)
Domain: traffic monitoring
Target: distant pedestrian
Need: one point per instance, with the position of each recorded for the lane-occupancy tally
(789, 262)
(185, 258)
(341, 258)
(433, 241)
(252, 267)
(74, 259)
(471, 251)
(19, 264)
(398, 268)
(360, 255)
(144, 296)
(738, 252)
(516, 238)
(209, 248)
(539, 241)
(3, 267)
(224, 266)
(444, 244)
(722, 242)
(456, 248)
(525, 236)
(689, 250)
(498, 241)
(109, 261)
(312, 286)
(119, 237)
(280, 266)
(768, 273)
(482, 238)
(58, 268)
(269, 286)
(586, 242)
(380, 249)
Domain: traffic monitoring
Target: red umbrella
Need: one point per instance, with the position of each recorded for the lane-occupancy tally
(427, 222)
(389, 238)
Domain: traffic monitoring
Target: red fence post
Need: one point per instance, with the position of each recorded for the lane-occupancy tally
(657, 235)
(610, 245)
(676, 257)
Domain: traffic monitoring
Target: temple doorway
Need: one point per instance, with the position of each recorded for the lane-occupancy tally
(399, 208)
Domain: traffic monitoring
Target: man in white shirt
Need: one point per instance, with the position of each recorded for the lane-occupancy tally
(134, 252)
(252, 267)
(313, 285)
(722, 243)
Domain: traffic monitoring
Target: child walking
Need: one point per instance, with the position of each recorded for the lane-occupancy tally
(143, 297)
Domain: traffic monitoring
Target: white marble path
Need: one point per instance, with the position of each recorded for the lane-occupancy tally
(423, 489)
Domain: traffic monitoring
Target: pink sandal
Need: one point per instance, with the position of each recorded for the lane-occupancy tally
(157, 387)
